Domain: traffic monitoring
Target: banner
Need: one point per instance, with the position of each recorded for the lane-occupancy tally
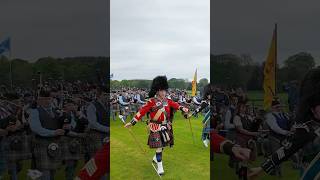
(194, 84)
(269, 82)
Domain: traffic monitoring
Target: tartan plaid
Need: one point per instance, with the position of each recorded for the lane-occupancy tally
(67, 154)
(134, 108)
(155, 139)
(23, 153)
(94, 141)
(115, 107)
(170, 132)
(3, 162)
(42, 159)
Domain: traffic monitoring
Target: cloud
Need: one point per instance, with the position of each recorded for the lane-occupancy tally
(55, 28)
(246, 27)
(150, 38)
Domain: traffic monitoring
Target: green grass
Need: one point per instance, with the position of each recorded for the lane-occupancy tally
(59, 174)
(221, 169)
(184, 161)
(256, 98)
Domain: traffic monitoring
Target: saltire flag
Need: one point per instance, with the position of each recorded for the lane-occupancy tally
(5, 46)
(194, 84)
(269, 82)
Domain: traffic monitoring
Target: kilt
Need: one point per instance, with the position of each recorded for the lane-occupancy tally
(246, 141)
(72, 153)
(231, 135)
(171, 142)
(94, 141)
(18, 147)
(157, 139)
(114, 108)
(43, 160)
(124, 110)
(3, 162)
(134, 108)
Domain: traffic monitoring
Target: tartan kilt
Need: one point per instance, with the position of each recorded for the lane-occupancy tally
(42, 159)
(246, 141)
(3, 162)
(134, 108)
(156, 140)
(68, 153)
(114, 108)
(171, 142)
(242, 140)
(94, 141)
(124, 111)
(21, 151)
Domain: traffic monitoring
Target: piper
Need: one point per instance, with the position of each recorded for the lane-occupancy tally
(160, 126)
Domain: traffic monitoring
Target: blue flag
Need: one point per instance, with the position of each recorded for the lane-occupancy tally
(5, 46)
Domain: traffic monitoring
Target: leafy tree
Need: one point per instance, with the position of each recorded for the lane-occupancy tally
(297, 65)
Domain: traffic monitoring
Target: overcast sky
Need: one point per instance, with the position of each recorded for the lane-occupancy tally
(246, 27)
(57, 28)
(160, 37)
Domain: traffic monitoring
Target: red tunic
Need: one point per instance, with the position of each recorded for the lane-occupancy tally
(159, 112)
(217, 142)
(153, 105)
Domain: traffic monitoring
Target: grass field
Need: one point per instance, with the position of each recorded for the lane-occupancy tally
(220, 164)
(184, 161)
(222, 171)
(60, 175)
(256, 97)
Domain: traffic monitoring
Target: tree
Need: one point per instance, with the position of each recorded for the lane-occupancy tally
(70, 69)
(229, 70)
(297, 65)
(202, 83)
(177, 83)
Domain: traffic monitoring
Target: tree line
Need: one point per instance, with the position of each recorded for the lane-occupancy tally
(174, 83)
(67, 69)
(241, 71)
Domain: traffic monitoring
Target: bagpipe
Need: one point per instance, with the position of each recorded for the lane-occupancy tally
(313, 170)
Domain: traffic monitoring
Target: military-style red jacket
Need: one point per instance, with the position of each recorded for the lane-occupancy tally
(219, 144)
(159, 110)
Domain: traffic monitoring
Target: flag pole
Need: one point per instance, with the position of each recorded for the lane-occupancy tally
(276, 58)
(10, 60)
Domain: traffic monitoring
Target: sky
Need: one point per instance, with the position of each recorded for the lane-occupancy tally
(57, 28)
(159, 37)
(246, 27)
(154, 37)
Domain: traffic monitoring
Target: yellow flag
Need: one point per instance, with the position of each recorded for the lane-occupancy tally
(269, 83)
(194, 84)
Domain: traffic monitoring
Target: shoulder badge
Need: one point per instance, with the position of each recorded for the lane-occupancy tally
(158, 103)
